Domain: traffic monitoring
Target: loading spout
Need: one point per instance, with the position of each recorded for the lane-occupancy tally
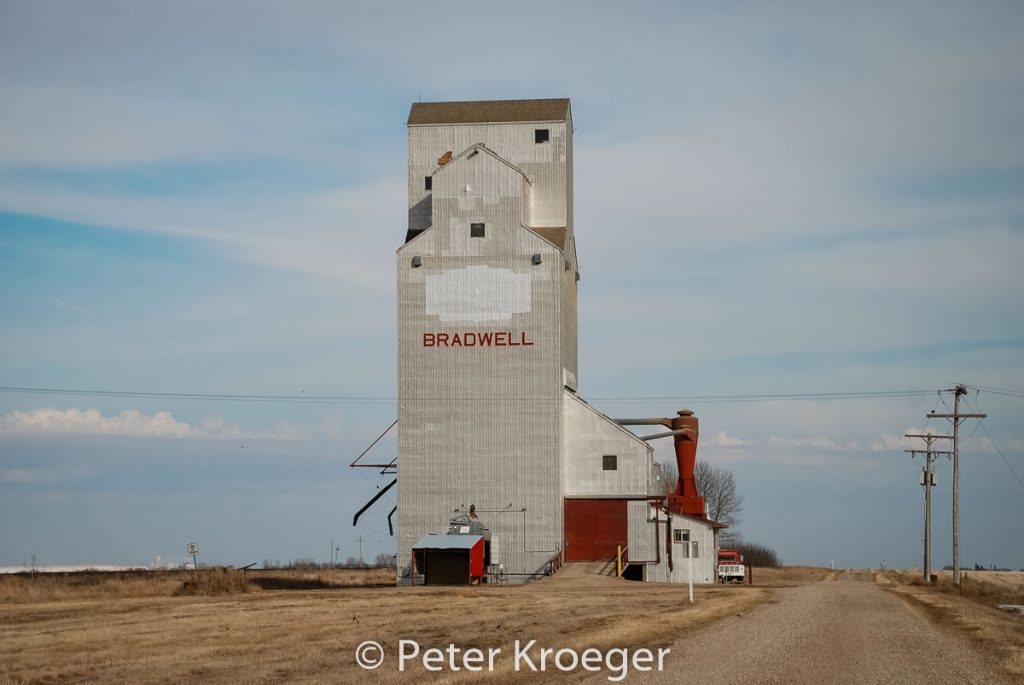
(391, 527)
(355, 519)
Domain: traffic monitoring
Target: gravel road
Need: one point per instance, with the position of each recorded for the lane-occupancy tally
(845, 631)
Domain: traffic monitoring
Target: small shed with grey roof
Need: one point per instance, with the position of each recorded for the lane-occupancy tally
(449, 559)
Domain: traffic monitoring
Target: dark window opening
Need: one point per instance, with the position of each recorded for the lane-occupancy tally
(541, 135)
(428, 183)
(609, 462)
(476, 230)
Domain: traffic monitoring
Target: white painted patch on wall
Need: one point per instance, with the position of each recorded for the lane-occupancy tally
(477, 294)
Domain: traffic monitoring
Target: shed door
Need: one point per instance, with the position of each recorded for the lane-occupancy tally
(595, 528)
(447, 567)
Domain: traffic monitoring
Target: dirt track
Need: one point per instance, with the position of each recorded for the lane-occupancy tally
(846, 631)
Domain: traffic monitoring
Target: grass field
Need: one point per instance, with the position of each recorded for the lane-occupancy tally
(135, 629)
(49, 587)
(971, 609)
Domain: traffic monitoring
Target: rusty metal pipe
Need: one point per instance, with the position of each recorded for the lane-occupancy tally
(667, 423)
(681, 431)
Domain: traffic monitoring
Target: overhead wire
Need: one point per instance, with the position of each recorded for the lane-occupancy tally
(369, 399)
(1019, 394)
(1002, 456)
(981, 425)
(976, 409)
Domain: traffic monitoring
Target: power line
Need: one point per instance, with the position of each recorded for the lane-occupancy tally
(1019, 481)
(223, 397)
(1000, 391)
(368, 399)
(976, 409)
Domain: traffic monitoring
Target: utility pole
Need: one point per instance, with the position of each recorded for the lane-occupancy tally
(956, 417)
(360, 541)
(928, 481)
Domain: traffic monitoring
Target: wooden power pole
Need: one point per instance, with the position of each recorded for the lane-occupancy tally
(956, 417)
(928, 481)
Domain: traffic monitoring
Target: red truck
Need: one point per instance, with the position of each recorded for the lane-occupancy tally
(731, 568)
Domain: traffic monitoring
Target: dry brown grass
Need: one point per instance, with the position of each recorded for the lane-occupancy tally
(310, 635)
(216, 581)
(791, 575)
(23, 589)
(92, 585)
(972, 610)
(320, 579)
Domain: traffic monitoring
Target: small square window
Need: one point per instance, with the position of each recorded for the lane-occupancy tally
(609, 462)
(541, 135)
(681, 535)
(476, 230)
(428, 183)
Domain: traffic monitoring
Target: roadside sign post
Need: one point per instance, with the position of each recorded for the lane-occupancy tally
(689, 568)
(193, 549)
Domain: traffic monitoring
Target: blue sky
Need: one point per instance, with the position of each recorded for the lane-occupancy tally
(785, 198)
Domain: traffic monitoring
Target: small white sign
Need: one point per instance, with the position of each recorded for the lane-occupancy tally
(193, 548)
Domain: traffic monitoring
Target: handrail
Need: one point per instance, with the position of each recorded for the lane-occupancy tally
(622, 560)
(555, 563)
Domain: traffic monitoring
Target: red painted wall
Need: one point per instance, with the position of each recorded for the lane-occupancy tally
(594, 528)
(476, 559)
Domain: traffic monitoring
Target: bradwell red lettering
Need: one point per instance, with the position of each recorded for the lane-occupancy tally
(477, 339)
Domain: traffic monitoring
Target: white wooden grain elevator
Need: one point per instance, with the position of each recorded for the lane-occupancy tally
(489, 413)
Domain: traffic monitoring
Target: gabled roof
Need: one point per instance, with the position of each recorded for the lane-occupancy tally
(608, 420)
(488, 111)
(480, 147)
(552, 234)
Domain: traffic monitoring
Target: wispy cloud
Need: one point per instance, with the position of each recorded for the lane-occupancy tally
(16, 476)
(815, 442)
(162, 424)
(723, 439)
(72, 307)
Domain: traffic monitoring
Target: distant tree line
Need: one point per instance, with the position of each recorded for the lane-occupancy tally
(382, 560)
(759, 555)
(980, 567)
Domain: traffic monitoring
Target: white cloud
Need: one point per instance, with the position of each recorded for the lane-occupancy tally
(817, 442)
(723, 439)
(15, 476)
(162, 424)
(889, 443)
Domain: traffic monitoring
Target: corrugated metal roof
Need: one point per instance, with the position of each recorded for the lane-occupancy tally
(488, 111)
(446, 541)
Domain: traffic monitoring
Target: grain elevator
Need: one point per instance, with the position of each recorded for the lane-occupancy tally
(489, 411)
